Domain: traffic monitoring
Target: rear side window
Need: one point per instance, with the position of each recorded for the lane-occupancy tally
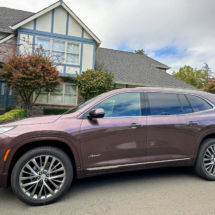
(164, 104)
(198, 104)
(185, 104)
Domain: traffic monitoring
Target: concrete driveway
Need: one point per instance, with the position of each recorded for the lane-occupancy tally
(157, 191)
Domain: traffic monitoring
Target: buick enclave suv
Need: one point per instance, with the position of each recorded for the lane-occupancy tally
(122, 130)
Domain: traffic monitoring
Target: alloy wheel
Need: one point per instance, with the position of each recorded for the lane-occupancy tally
(42, 177)
(209, 160)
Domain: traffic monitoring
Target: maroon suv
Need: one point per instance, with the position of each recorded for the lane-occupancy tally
(121, 130)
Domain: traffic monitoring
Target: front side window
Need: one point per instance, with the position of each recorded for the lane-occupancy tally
(65, 94)
(198, 104)
(61, 51)
(164, 104)
(121, 105)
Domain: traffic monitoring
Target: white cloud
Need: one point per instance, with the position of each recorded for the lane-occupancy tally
(151, 25)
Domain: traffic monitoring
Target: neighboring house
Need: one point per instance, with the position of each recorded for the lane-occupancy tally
(61, 32)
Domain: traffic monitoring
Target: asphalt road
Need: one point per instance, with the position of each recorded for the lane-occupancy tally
(157, 191)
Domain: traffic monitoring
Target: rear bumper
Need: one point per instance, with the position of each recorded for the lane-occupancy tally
(3, 180)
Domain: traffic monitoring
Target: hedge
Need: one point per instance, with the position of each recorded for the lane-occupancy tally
(54, 111)
(13, 114)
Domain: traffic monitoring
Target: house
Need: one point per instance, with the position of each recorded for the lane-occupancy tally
(61, 32)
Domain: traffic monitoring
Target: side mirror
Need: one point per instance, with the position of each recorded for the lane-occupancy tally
(96, 113)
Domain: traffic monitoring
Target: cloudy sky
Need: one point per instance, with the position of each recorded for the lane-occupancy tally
(175, 32)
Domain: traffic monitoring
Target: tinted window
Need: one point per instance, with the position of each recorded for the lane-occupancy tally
(164, 104)
(185, 104)
(125, 104)
(198, 104)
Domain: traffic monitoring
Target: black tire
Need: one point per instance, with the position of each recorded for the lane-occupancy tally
(199, 165)
(53, 152)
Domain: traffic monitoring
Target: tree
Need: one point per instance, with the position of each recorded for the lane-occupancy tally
(210, 87)
(92, 83)
(139, 51)
(207, 69)
(197, 78)
(30, 73)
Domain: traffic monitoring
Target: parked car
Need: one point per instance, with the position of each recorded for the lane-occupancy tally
(122, 130)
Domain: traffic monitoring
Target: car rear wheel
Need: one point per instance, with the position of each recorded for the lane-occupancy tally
(205, 163)
(42, 175)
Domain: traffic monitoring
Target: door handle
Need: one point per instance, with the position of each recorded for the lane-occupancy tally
(134, 125)
(192, 123)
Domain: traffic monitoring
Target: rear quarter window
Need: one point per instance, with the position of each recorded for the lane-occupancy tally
(198, 104)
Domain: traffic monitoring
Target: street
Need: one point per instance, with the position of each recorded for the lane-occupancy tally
(157, 191)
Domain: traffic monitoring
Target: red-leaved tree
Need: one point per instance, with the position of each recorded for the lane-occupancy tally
(210, 87)
(30, 73)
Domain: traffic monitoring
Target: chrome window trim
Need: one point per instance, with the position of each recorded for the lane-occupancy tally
(181, 114)
(109, 97)
(134, 164)
(213, 106)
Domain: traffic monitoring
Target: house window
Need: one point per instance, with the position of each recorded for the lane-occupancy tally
(61, 51)
(66, 94)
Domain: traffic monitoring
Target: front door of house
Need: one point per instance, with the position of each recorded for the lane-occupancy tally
(6, 96)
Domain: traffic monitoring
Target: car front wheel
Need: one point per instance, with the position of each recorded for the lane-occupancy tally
(42, 175)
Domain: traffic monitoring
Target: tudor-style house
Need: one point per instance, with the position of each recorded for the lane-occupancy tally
(62, 33)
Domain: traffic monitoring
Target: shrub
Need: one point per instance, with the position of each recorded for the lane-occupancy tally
(92, 83)
(54, 111)
(8, 108)
(13, 114)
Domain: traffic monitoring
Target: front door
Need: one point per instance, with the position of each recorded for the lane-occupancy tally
(173, 129)
(2, 95)
(117, 141)
(6, 97)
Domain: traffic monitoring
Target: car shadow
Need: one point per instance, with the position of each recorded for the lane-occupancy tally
(125, 178)
(95, 184)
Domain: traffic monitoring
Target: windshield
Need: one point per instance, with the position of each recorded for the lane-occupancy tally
(78, 107)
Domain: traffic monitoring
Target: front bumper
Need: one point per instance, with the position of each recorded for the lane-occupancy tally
(3, 180)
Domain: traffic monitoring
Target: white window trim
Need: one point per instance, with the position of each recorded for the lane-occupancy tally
(65, 51)
(63, 94)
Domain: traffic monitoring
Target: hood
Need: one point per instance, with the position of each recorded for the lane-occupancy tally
(33, 120)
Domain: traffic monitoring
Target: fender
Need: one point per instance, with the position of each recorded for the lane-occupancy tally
(28, 138)
(203, 135)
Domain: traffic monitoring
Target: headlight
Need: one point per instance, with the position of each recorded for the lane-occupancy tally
(8, 128)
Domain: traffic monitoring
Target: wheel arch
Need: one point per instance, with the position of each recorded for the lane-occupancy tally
(37, 143)
(203, 138)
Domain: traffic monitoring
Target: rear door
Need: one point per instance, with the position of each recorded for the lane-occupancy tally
(117, 141)
(173, 129)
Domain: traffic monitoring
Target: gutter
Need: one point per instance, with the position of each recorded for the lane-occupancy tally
(6, 38)
(6, 31)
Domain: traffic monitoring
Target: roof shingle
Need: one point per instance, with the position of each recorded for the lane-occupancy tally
(10, 16)
(128, 67)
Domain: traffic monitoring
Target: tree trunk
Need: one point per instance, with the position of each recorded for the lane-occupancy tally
(28, 111)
